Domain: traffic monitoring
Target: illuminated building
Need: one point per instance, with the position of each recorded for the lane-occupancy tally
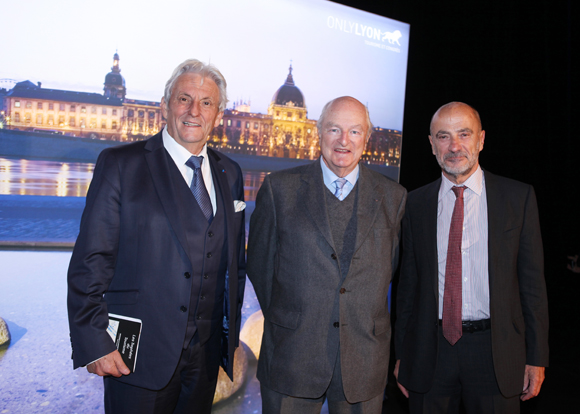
(285, 131)
(110, 116)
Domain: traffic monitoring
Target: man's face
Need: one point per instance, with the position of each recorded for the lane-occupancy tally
(456, 139)
(192, 111)
(344, 135)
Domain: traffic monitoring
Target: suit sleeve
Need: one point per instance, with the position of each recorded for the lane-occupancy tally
(395, 253)
(262, 245)
(532, 284)
(92, 265)
(407, 287)
(241, 251)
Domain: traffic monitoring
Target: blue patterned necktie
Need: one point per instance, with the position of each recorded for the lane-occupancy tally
(198, 187)
(339, 183)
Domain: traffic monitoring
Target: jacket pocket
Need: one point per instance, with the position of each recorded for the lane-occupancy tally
(284, 318)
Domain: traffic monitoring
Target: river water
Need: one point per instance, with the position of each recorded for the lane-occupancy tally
(72, 179)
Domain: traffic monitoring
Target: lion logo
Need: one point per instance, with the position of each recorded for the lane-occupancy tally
(392, 37)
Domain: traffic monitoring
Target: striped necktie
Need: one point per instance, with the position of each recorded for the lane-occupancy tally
(198, 187)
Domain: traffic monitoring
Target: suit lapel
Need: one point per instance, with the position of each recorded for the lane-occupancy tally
(315, 200)
(428, 241)
(369, 200)
(158, 163)
(220, 177)
(495, 223)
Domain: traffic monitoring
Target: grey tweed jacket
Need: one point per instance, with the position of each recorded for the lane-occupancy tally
(292, 263)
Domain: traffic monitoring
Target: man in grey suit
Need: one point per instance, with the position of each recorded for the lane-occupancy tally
(323, 239)
(472, 311)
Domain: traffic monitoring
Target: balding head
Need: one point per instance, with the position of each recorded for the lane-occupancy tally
(456, 140)
(344, 128)
(355, 102)
(450, 107)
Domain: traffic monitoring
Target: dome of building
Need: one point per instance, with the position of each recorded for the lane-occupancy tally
(114, 81)
(289, 94)
(114, 78)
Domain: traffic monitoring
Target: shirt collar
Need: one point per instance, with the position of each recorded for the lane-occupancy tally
(179, 154)
(474, 183)
(330, 177)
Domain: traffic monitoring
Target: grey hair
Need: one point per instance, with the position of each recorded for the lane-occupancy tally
(325, 109)
(196, 66)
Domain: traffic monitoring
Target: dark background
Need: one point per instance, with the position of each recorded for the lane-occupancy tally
(512, 61)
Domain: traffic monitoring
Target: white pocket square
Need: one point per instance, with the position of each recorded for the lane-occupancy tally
(239, 205)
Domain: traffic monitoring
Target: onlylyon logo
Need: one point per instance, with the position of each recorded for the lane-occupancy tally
(359, 29)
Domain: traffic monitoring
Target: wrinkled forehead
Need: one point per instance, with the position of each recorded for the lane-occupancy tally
(455, 118)
(191, 82)
(346, 113)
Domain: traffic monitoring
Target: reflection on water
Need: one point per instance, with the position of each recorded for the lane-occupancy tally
(65, 179)
(252, 182)
(47, 178)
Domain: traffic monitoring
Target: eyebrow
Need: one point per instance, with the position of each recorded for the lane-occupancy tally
(190, 96)
(332, 124)
(443, 132)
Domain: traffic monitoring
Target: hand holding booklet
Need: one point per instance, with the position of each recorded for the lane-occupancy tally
(125, 332)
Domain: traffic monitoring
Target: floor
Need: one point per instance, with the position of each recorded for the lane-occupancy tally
(36, 374)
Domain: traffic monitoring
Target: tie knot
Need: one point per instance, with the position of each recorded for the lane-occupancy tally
(340, 182)
(459, 191)
(194, 162)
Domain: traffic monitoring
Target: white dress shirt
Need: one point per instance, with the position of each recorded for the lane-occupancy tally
(474, 247)
(180, 156)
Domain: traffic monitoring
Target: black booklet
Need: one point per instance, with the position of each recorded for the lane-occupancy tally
(125, 332)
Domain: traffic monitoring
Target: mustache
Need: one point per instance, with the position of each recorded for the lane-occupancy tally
(455, 154)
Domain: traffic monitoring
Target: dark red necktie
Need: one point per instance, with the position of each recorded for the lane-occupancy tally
(452, 295)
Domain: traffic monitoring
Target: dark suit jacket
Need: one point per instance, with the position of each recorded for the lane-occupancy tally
(293, 266)
(133, 248)
(518, 301)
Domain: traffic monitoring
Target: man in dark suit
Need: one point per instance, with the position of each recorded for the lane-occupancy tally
(472, 312)
(322, 242)
(162, 240)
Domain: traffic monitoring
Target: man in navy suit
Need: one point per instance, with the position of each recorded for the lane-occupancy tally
(472, 308)
(162, 240)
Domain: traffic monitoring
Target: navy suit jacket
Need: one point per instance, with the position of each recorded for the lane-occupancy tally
(133, 254)
(518, 300)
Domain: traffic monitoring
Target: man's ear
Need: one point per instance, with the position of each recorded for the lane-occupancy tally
(481, 139)
(218, 119)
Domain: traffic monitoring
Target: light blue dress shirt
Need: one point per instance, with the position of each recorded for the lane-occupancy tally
(330, 177)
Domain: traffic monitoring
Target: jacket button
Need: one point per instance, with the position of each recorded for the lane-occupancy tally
(198, 318)
(202, 297)
(342, 290)
(210, 234)
(183, 309)
(187, 275)
(333, 256)
(205, 276)
(208, 255)
(336, 324)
